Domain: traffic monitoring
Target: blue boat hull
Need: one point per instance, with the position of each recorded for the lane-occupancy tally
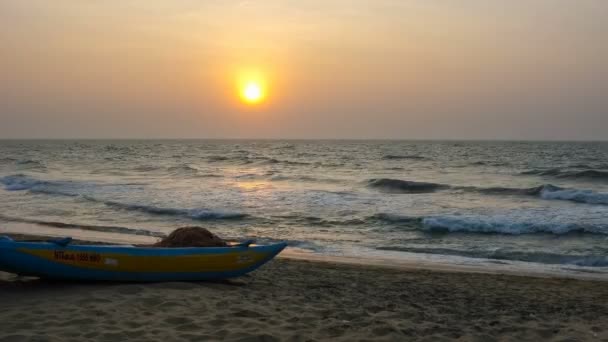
(134, 264)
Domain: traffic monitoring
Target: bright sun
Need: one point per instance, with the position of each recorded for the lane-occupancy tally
(251, 85)
(252, 92)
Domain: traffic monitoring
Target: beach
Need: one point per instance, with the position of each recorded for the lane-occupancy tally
(298, 300)
(372, 170)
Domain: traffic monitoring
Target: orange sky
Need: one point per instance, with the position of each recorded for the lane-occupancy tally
(332, 69)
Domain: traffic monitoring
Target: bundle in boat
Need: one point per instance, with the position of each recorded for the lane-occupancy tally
(191, 237)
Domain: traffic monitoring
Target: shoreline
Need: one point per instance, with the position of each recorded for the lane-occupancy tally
(402, 264)
(411, 262)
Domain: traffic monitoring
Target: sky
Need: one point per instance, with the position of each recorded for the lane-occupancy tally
(329, 69)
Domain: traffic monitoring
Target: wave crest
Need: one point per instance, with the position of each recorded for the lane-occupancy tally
(200, 214)
(401, 157)
(589, 174)
(574, 195)
(504, 225)
(402, 186)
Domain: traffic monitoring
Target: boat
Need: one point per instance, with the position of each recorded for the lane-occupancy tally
(60, 259)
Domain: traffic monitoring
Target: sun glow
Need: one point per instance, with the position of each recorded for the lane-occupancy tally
(251, 86)
(252, 92)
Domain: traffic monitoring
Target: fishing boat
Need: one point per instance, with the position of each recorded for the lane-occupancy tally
(60, 259)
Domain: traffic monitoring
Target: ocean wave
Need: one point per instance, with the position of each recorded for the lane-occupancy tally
(274, 177)
(20, 182)
(545, 191)
(589, 174)
(505, 225)
(73, 189)
(402, 186)
(393, 218)
(318, 221)
(510, 255)
(473, 224)
(368, 221)
(119, 149)
(488, 163)
(574, 195)
(8, 160)
(303, 178)
(175, 170)
(200, 214)
(29, 162)
(552, 192)
(248, 159)
(146, 168)
(24, 164)
(285, 146)
(63, 225)
(213, 159)
(265, 161)
(399, 157)
(509, 191)
(183, 169)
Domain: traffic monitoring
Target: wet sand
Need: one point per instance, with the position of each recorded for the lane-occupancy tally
(296, 300)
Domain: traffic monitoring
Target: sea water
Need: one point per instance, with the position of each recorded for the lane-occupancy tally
(544, 203)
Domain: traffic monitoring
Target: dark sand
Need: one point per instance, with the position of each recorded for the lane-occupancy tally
(304, 301)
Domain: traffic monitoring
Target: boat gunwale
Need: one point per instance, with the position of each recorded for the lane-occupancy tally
(140, 251)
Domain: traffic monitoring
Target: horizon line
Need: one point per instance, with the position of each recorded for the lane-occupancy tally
(307, 139)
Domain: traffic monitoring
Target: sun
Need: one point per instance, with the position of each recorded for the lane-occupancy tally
(252, 92)
(252, 85)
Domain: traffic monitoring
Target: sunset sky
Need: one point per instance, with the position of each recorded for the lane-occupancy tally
(418, 69)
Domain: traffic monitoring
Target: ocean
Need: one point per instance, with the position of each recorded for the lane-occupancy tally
(540, 204)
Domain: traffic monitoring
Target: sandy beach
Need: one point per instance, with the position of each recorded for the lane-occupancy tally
(296, 300)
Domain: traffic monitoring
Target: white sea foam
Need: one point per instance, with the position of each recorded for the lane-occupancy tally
(505, 224)
(575, 195)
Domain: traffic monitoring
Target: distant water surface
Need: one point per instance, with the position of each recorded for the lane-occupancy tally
(545, 203)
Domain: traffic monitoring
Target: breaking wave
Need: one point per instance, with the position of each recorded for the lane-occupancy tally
(552, 192)
(21, 182)
(574, 195)
(76, 189)
(474, 224)
(546, 191)
(505, 225)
